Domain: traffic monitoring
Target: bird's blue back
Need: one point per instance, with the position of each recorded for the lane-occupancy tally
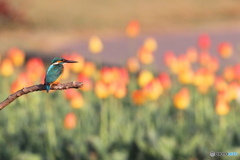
(53, 72)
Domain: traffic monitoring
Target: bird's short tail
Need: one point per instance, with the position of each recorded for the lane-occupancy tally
(47, 87)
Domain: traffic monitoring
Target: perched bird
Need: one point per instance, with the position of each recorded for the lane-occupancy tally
(55, 71)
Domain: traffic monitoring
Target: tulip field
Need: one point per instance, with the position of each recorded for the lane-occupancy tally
(129, 112)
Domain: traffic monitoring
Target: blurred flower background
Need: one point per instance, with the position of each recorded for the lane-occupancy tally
(161, 79)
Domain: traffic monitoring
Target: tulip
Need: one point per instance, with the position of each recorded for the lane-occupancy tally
(222, 108)
(112, 87)
(77, 67)
(120, 91)
(35, 69)
(144, 78)
(203, 77)
(108, 74)
(171, 61)
(169, 58)
(86, 81)
(225, 50)
(204, 42)
(232, 91)
(220, 84)
(17, 56)
(101, 90)
(21, 82)
(228, 73)
(192, 54)
(165, 80)
(181, 99)
(70, 93)
(133, 29)
(133, 65)
(6, 68)
(213, 64)
(95, 45)
(153, 90)
(182, 63)
(77, 100)
(138, 97)
(237, 72)
(145, 56)
(70, 121)
(150, 44)
(186, 76)
(204, 58)
(123, 75)
(89, 69)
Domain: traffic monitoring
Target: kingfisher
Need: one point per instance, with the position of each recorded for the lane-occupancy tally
(55, 71)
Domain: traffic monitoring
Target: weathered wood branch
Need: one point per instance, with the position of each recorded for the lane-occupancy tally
(39, 87)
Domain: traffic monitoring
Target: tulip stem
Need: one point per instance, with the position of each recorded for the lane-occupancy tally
(39, 87)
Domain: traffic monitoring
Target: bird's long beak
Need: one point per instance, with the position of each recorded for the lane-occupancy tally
(69, 61)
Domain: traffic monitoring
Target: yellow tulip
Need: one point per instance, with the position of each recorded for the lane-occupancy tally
(6, 68)
(150, 44)
(95, 45)
(144, 78)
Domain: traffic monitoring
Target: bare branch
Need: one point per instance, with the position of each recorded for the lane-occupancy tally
(39, 87)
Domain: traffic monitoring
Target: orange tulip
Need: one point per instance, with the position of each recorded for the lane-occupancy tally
(153, 90)
(6, 68)
(144, 77)
(181, 99)
(145, 56)
(203, 88)
(87, 83)
(112, 87)
(204, 58)
(77, 67)
(204, 42)
(35, 69)
(150, 44)
(95, 45)
(21, 82)
(213, 64)
(108, 74)
(237, 72)
(222, 108)
(225, 50)
(133, 28)
(192, 54)
(17, 56)
(120, 91)
(101, 90)
(220, 84)
(228, 73)
(169, 58)
(203, 77)
(186, 76)
(171, 61)
(123, 75)
(165, 80)
(70, 93)
(183, 63)
(89, 69)
(232, 91)
(138, 97)
(133, 65)
(70, 121)
(77, 100)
